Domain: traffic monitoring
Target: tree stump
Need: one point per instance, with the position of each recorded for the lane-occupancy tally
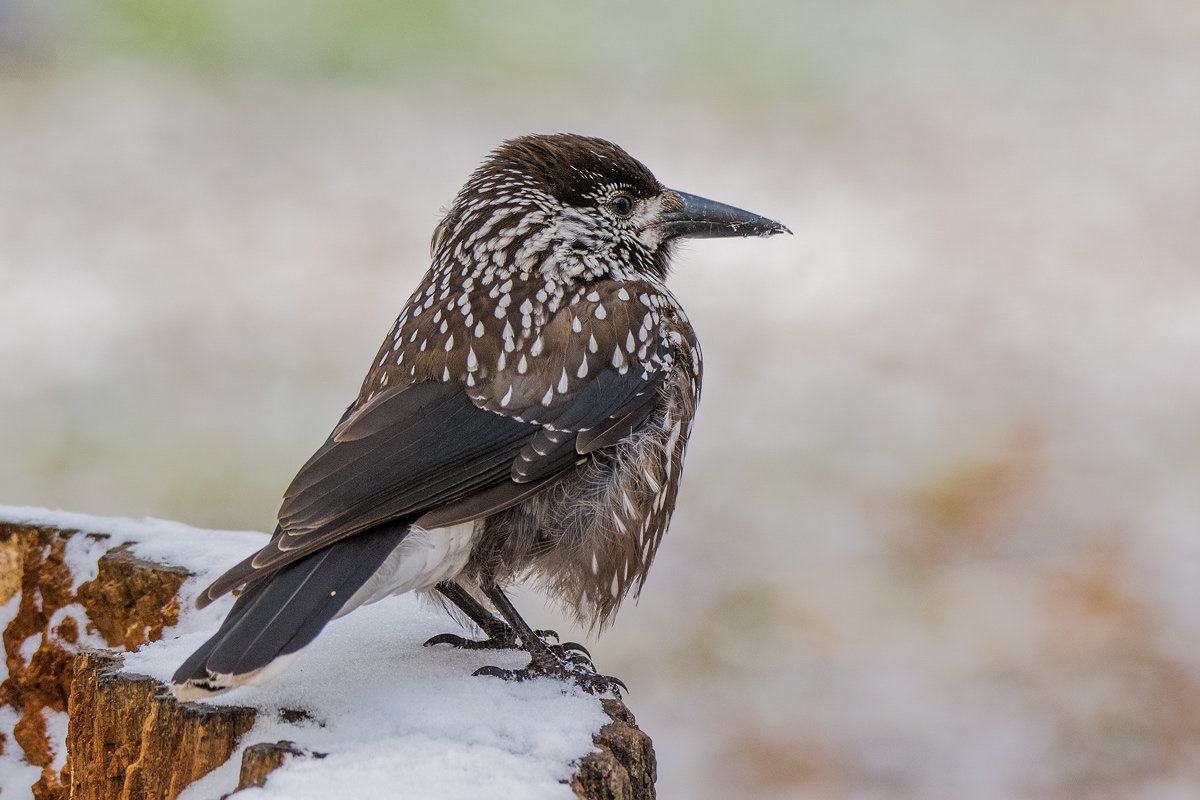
(128, 738)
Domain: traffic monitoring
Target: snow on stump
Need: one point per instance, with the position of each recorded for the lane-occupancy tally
(97, 613)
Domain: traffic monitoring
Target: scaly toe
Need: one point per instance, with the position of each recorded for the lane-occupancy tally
(593, 682)
(502, 640)
(572, 667)
(497, 642)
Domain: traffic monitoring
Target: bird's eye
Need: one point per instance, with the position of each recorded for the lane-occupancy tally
(621, 204)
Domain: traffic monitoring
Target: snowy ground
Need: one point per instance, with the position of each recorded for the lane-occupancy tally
(939, 533)
(395, 719)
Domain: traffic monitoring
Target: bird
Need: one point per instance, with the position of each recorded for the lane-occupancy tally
(526, 417)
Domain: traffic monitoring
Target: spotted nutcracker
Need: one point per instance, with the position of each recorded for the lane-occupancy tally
(526, 417)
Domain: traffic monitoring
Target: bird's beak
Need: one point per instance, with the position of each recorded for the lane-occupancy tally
(697, 217)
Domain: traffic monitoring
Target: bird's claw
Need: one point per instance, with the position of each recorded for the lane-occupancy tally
(496, 672)
(575, 646)
(581, 658)
(463, 643)
(451, 639)
(498, 640)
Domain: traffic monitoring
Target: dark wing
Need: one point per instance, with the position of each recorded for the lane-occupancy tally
(440, 451)
(405, 451)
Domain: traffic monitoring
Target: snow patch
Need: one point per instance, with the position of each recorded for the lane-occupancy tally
(16, 775)
(396, 719)
(56, 732)
(29, 647)
(7, 612)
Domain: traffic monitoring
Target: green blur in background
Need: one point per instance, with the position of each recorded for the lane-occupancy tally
(762, 52)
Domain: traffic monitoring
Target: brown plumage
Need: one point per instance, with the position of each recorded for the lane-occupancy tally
(526, 416)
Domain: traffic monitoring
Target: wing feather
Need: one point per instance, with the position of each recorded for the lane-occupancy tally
(443, 446)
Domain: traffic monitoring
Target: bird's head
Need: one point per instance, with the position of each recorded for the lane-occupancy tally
(576, 208)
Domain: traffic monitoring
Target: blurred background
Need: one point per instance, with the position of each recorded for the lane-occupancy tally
(939, 535)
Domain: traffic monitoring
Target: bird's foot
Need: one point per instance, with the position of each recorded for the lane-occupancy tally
(565, 663)
(500, 638)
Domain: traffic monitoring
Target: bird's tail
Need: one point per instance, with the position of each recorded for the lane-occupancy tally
(275, 617)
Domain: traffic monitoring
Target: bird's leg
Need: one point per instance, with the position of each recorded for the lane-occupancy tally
(553, 661)
(499, 635)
